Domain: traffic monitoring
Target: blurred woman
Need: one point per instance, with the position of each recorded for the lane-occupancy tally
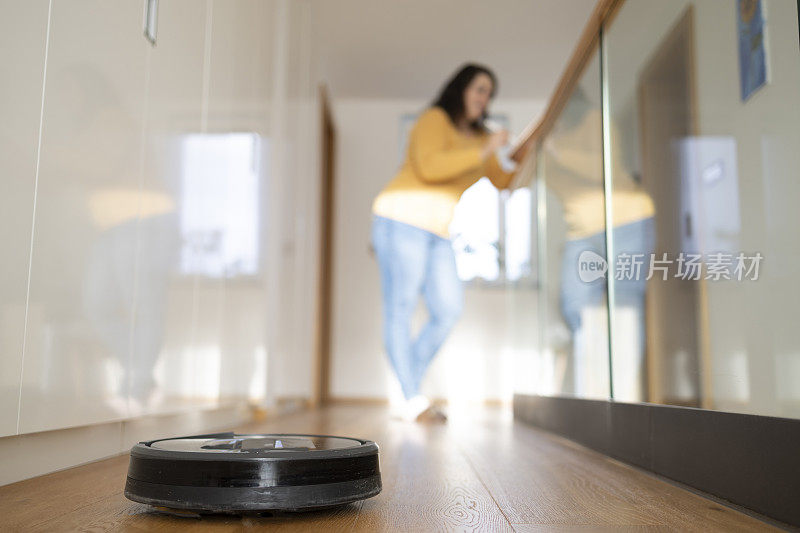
(449, 149)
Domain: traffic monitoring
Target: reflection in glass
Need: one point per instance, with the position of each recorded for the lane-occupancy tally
(220, 170)
(575, 340)
(721, 171)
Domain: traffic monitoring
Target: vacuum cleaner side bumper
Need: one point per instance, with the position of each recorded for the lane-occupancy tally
(281, 498)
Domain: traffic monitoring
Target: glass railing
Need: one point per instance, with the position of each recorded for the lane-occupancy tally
(669, 234)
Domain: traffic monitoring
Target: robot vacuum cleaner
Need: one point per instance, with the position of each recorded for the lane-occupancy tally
(229, 473)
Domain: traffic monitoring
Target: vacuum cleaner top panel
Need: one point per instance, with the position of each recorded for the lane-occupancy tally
(230, 446)
(257, 444)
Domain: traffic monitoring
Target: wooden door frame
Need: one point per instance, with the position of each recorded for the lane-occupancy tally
(320, 393)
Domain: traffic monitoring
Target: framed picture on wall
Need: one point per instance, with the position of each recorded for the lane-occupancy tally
(752, 49)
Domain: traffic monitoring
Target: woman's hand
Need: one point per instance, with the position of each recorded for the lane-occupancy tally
(496, 140)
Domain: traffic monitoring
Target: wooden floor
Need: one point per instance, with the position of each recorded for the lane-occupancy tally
(479, 472)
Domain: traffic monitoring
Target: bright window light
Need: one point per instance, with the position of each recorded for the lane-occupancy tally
(475, 231)
(518, 234)
(219, 216)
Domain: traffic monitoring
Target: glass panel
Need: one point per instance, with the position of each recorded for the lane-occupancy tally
(574, 337)
(704, 102)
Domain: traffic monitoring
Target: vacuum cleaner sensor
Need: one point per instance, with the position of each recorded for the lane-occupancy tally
(226, 472)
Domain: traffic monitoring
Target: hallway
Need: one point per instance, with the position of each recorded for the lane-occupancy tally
(481, 472)
(572, 223)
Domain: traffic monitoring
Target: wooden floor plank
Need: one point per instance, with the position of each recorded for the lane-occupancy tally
(479, 472)
(541, 480)
(30, 502)
(428, 485)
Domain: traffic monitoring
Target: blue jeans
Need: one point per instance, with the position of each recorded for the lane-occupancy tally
(633, 238)
(413, 261)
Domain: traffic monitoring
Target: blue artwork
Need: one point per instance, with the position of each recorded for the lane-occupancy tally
(752, 54)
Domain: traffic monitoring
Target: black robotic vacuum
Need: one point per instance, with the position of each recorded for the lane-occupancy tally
(230, 473)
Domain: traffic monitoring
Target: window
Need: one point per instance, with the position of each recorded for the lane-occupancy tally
(491, 233)
(219, 217)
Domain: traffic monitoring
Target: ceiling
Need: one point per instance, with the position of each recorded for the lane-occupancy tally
(406, 49)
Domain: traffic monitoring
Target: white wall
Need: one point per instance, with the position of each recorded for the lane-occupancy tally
(755, 342)
(477, 362)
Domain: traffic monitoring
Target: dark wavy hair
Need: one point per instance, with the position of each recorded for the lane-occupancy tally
(451, 97)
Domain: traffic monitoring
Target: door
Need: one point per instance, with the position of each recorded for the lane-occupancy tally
(675, 307)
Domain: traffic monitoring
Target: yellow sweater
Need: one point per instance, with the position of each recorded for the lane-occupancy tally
(574, 173)
(440, 164)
